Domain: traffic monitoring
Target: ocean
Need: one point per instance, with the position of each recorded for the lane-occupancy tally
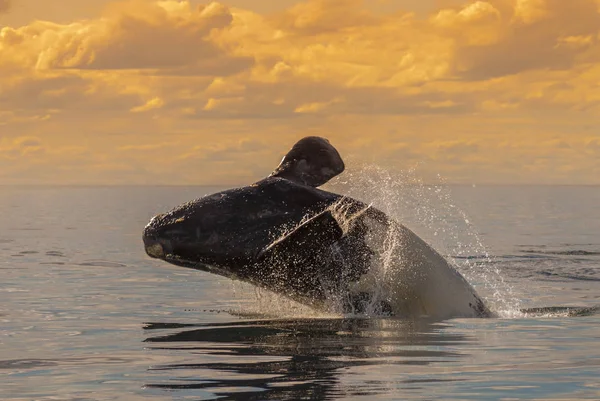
(86, 315)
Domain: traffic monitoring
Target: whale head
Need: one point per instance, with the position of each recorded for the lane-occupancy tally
(231, 233)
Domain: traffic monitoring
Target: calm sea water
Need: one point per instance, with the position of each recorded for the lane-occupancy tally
(86, 315)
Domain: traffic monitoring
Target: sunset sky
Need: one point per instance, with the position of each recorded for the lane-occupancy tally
(190, 92)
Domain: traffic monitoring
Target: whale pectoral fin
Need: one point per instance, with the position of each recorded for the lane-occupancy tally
(312, 161)
(319, 232)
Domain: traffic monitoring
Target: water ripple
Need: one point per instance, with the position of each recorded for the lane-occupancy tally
(294, 359)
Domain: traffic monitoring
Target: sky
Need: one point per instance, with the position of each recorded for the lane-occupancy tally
(147, 92)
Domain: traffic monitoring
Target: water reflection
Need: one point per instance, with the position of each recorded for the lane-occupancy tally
(295, 359)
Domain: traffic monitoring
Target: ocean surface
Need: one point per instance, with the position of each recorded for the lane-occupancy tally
(86, 315)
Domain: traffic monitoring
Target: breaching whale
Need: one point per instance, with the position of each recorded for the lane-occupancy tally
(316, 247)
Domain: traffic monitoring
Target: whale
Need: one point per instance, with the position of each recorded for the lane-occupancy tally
(325, 250)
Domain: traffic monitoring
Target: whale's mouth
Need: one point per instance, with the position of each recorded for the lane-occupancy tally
(196, 265)
(205, 267)
(165, 249)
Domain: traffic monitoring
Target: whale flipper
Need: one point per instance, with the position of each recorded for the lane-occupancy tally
(312, 161)
(321, 231)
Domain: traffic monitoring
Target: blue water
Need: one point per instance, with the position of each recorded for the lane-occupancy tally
(86, 315)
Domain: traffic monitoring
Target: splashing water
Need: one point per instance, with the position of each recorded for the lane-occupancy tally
(428, 210)
(384, 243)
(261, 303)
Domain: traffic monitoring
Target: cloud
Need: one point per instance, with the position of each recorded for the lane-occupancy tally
(316, 58)
(224, 151)
(163, 89)
(593, 145)
(166, 35)
(67, 92)
(148, 36)
(530, 36)
(154, 103)
(454, 150)
(20, 147)
(321, 16)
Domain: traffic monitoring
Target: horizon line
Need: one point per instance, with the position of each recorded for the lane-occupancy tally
(246, 184)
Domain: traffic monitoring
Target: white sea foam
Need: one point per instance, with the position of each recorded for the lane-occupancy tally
(429, 210)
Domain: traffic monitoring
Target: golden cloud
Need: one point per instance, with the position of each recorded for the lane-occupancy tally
(448, 88)
(337, 49)
(136, 35)
(321, 16)
(20, 147)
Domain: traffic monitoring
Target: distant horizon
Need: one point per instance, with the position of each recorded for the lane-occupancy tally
(248, 183)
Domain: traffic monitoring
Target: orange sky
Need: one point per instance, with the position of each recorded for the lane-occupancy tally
(184, 92)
